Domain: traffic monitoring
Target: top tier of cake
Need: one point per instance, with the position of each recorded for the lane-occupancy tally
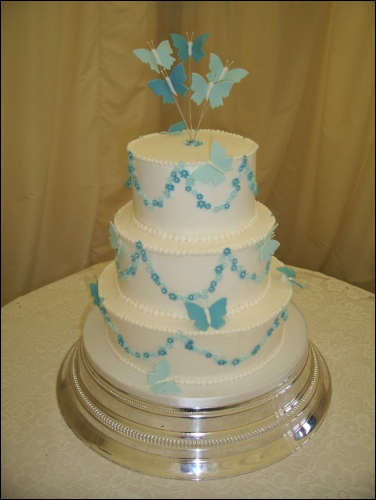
(188, 192)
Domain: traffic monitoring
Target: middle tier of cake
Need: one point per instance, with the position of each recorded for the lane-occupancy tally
(159, 275)
(224, 300)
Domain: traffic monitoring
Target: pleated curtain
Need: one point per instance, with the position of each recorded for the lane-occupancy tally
(74, 95)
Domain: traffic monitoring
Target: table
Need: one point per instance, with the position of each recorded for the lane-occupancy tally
(43, 458)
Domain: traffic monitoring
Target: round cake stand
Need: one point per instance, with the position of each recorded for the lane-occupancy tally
(188, 442)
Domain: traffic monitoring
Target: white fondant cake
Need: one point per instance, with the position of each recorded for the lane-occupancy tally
(195, 296)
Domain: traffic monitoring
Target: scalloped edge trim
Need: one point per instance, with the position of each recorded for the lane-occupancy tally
(254, 147)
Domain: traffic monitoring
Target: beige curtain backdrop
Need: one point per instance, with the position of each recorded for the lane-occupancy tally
(74, 95)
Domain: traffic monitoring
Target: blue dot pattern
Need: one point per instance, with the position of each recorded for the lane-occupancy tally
(189, 343)
(181, 174)
(226, 261)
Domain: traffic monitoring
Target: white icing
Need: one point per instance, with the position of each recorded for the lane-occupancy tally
(168, 314)
(238, 240)
(194, 238)
(199, 381)
(182, 246)
(165, 149)
(137, 324)
(189, 267)
(154, 158)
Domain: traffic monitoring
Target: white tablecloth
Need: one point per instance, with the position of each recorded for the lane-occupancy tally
(43, 458)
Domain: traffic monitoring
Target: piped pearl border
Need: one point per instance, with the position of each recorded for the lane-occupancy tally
(253, 147)
(159, 245)
(169, 314)
(196, 381)
(193, 238)
(127, 317)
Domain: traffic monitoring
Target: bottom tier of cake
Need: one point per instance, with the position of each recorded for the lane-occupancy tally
(214, 432)
(289, 357)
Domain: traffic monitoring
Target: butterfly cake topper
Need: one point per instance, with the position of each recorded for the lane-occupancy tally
(177, 82)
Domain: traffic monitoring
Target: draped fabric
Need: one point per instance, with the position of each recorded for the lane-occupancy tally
(74, 95)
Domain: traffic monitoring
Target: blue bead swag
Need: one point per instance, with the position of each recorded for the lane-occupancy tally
(226, 260)
(179, 336)
(181, 174)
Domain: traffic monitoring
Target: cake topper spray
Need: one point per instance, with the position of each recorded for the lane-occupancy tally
(208, 92)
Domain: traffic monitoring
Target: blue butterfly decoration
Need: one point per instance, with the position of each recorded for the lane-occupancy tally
(187, 48)
(209, 91)
(290, 274)
(218, 72)
(177, 127)
(94, 293)
(114, 238)
(157, 57)
(216, 312)
(115, 241)
(171, 85)
(214, 170)
(157, 380)
(268, 246)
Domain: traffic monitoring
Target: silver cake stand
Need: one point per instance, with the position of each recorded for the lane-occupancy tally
(190, 442)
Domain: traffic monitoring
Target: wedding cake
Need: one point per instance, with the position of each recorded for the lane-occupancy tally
(195, 307)
(195, 362)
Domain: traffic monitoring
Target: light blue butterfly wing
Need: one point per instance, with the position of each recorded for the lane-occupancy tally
(219, 91)
(197, 314)
(160, 372)
(219, 158)
(121, 251)
(297, 284)
(199, 87)
(269, 235)
(290, 275)
(207, 173)
(157, 380)
(178, 77)
(217, 312)
(94, 293)
(235, 75)
(169, 387)
(268, 249)
(148, 57)
(161, 88)
(214, 171)
(181, 44)
(183, 48)
(287, 271)
(114, 238)
(197, 52)
(177, 127)
(164, 50)
(216, 68)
